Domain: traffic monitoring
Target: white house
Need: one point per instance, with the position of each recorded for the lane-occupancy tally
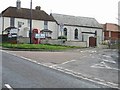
(20, 18)
(79, 29)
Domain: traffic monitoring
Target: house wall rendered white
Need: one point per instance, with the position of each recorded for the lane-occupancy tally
(6, 22)
(36, 24)
(119, 13)
(53, 27)
(21, 29)
(0, 25)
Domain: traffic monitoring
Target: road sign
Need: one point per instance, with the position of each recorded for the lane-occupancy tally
(40, 35)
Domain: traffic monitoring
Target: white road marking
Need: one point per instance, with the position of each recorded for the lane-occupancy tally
(110, 61)
(86, 77)
(68, 62)
(103, 65)
(91, 51)
(107, 56)
(35, 61)
(8, 86)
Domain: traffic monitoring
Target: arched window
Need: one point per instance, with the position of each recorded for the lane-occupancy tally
(65, 32)
(76, 33)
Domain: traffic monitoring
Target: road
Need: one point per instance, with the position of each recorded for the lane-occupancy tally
(19, 73)
(94, 64)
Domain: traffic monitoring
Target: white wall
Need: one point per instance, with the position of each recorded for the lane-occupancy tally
(53, 27)
(119, 13)
(36, 24)
(24, 21)
(6, 22)
(85, 36)
(71, 33)
(0, 25)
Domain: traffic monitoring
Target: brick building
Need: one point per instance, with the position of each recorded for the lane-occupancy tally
(111, 31)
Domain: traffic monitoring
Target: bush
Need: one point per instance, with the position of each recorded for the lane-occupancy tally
(62, 37)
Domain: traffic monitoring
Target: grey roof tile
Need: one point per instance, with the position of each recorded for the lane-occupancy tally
(76, 20)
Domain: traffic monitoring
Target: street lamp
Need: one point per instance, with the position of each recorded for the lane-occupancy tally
(30, 22)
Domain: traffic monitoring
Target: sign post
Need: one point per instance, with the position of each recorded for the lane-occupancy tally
(39, 36)
(61, 29)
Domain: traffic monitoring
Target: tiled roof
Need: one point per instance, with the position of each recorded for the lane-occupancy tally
(25, 13)
(76, 21)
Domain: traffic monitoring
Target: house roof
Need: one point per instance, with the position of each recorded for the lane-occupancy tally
(76, 21)
(25, 13)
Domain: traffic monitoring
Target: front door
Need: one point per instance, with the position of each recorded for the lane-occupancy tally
(92, 41)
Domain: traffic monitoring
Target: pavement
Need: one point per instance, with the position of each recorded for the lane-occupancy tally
(94, 64)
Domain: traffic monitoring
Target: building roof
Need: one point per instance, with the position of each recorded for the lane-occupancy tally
(25, 14)
(76, 21)
(111, 27)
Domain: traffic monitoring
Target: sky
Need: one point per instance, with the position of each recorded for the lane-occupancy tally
(104, 11)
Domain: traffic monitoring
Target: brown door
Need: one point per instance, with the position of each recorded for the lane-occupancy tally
(92, 41)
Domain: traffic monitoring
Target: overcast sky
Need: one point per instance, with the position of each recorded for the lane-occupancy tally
(104, 11)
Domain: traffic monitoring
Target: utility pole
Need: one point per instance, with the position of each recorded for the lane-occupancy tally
(30, 22)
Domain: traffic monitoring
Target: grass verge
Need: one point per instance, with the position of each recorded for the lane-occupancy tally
(45, 47)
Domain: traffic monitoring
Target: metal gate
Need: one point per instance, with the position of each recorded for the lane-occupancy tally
(92, 41)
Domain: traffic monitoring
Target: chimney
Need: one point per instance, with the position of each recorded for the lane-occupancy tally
(38, 8)
(18, 4)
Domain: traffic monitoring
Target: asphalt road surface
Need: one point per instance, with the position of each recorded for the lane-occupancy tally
(19, 73)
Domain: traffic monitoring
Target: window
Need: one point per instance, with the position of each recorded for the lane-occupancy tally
(45, 24)
(12, 21)
(76, 33)
(65, 32)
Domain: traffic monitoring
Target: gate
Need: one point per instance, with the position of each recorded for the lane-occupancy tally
(92, 41)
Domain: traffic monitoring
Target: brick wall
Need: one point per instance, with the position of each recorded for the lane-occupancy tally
(111, 31)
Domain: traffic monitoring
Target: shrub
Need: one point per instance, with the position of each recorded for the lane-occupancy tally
(62, 37)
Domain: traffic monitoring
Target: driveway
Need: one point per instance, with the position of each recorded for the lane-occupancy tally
(93, 64)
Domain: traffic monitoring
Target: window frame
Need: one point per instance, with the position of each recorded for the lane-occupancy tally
(65, 32)
(45, 24)
(76, 34)
(12, 22)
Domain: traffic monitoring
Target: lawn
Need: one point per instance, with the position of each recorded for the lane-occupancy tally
(37, 46)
